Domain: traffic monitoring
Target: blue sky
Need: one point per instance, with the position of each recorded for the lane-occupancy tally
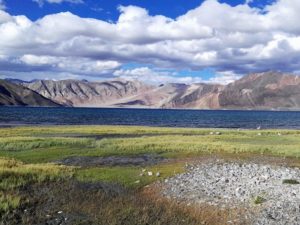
(107, 10)
(155, 41)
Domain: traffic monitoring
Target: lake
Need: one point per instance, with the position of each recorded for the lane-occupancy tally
(150, 117)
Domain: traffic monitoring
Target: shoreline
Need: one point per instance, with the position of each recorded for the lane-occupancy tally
(163, 109)
(13, 125)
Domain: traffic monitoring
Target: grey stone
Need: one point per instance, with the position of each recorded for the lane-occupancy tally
(233, 184)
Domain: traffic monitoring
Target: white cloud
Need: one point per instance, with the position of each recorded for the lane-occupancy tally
(67, 64)
(225, 77)
(2, 5)
(155, 76)
(41, 2)
(239, 38)
(4, 17)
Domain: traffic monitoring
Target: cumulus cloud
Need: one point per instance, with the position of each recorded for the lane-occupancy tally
(155, 76)
(248, 1)
(41, 2)
(231, 39)
(2, 5)
(225, 77)
(74, 65)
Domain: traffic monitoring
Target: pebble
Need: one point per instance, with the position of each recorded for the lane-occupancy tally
(232, 184)
(150, 173)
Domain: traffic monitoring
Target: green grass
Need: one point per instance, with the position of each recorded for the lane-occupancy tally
(129, 176)
(8, 202)
(32, 149)
(15, 174)
(259, 200)
(290, 181)
(47, 144)
(15, 144)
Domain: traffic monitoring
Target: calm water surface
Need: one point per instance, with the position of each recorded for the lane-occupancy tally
(149, 117)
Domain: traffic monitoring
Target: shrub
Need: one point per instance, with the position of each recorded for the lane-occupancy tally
(290, 181)
(259, 200)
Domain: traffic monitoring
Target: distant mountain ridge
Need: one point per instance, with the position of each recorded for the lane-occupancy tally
(86, 94)
(270, 90)
(16, 95)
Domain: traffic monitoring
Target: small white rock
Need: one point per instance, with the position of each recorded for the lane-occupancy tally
(150, 173)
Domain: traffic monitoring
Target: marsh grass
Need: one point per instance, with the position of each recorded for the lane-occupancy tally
(15, 174)
(43, 144)
(29, 143)
(31, 149)
(129, 176)
(259, 200)
(91, 204)
(8, 202)
(290, 181)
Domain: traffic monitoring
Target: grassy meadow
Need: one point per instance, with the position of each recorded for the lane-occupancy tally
(28, 156)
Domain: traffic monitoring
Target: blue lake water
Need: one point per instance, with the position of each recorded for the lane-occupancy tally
(150, 117)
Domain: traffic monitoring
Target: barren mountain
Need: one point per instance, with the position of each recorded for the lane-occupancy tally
(14, 94)
(86, 94)
(120, 93)
(203, 96)
(269, 90)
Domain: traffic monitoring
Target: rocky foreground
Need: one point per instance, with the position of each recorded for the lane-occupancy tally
(270, 194)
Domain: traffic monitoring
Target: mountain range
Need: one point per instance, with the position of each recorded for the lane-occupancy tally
(17, 95)
(269, 90)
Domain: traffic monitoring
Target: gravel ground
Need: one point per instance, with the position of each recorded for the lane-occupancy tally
(265, 190)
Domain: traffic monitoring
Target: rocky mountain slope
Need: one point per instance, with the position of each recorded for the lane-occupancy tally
(204, 96)
(14, 94)
(120, 93)
(87, 94)
(269, 90)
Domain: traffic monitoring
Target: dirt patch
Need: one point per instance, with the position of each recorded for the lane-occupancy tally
(102, 136)
(92, 161)
(74, 203)
(48, 203)
(241, 158)
(205, 214)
